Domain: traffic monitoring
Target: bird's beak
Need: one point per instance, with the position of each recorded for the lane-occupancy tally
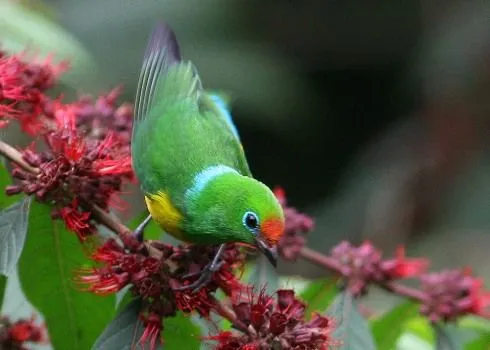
(270, 253)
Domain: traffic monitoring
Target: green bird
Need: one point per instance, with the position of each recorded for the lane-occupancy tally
(190, 163)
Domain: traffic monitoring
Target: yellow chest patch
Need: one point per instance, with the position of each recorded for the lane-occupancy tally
(165, 213)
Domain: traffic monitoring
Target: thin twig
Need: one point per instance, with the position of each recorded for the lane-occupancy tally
(15, 156)
(227, 313)
(333, 265)
(322, 260)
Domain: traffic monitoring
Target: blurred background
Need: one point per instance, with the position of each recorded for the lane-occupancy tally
(373, 115)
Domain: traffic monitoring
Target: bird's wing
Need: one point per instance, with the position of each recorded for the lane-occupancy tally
(223, 103)
(162, 52)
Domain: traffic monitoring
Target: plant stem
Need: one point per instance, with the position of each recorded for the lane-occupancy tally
(15, 156)
(334, 266)
(227, 313)
(323, 261)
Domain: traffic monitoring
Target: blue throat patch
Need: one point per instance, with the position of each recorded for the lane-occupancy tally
(229, 120)
(204, 177)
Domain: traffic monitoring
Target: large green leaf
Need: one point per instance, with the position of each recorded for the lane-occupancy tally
(319, 295)
(13, 230)
(3, 284)
(124, 332)
(50, 256)
(181, 333)
(481, 343)
(388, 328)
(5, 201)
(352, 330)
(5, 180)
(452, 337)
(421, 327)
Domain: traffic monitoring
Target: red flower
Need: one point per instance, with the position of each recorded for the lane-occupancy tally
(478, 301)
(276, 323)
(103, 281)
(77, 221)
(154, 279)
(402, 267)
(297, 224)
(113, 166)
(14, 335)
(22, 88)
(453, 293)
(153, 326)
(364, 265)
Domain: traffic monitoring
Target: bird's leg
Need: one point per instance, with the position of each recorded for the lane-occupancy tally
(138, 233)
(206, 273)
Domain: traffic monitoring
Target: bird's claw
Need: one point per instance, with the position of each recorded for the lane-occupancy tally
(206, 275)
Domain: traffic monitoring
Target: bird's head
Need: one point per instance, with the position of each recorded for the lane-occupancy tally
(241, 209)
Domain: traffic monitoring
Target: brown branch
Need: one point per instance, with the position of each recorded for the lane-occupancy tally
(15, 156)
(333, 265)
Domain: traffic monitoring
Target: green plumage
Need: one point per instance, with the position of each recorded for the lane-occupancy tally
(179, 132)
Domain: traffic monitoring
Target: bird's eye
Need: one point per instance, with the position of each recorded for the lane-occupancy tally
(251, 221)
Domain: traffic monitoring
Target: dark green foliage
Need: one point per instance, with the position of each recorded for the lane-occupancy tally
(50, 257)
(389, 327)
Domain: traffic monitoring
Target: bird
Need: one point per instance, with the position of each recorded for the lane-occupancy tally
(190, 162)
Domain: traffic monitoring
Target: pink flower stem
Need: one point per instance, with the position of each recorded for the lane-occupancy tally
(333, 265)
(323, 261)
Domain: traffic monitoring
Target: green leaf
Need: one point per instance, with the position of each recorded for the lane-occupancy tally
(5, 180)
(125, 298)
(352, 330)
(3, 285)
(264, 275)
(50, 256)
(181, 333)
(124, 331)
(13, 230)
(481, 343)
(451, 337)
(446, 340)
(319, 295)
(388, 328)
(421, 327)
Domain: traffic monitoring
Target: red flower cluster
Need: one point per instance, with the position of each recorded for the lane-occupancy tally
(15, 335)
(454, 293)
(297, 224)
(88, 143)
(154, 279)
(22, 89)
(276, 324)
(364, 265)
